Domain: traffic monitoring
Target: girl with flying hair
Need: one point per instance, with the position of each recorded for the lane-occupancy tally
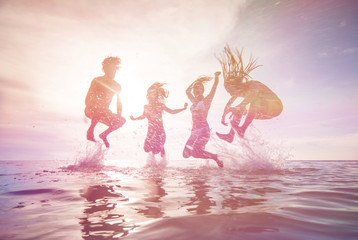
(153, 111)
(259, 102)
(200, 132)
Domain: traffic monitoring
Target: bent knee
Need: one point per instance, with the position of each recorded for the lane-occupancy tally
(196, 154)
(118, 122)
(121, 120)
(187, 151)
(89, 113)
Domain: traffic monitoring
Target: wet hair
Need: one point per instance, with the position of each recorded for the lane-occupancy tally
(203, 79)
(156, 93)
(110, 61)
(200, 82)
(234, 71)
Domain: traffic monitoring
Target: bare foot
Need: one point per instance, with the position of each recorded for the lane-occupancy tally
(220, 163)
(104, 138)
(227, 137)
(90, 136)
(240, 132)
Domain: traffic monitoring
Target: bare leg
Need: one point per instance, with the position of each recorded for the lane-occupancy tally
(90, 131)
(117, 124)
(249, 118)
(227, 137)
(199, 153)
(163, 160)
(187, 151)
(188, 148)
(238, 131)
(162, 153)
(104, 135)
(235, 122)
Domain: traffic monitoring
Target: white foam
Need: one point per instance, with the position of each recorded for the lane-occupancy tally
(252, 153)
(92, 157)
(156, 161)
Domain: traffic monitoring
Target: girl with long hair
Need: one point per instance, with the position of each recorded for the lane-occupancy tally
(153, 111)
(200, 132)
(259, 101)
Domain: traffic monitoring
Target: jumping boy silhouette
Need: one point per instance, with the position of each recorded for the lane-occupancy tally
(99, 97)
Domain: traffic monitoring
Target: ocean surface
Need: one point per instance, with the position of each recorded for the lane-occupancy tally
(187, 199)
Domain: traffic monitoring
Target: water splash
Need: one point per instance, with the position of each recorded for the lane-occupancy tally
(89, 159)
(156, 162)
(252, 153)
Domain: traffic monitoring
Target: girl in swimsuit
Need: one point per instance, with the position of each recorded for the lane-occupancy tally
(200, 132)
(153, 111)
(260, 102)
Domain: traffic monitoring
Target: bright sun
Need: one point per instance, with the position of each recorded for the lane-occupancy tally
(132, 96)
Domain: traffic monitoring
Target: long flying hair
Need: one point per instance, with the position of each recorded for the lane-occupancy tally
(156, 93)
(233, 69)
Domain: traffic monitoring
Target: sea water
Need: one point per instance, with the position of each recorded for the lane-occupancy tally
(255, 196)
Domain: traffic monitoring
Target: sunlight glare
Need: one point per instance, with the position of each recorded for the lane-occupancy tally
(132, 95)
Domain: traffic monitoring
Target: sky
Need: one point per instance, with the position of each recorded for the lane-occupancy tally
(51, 50)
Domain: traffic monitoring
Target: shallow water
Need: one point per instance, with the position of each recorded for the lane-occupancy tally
(188, 199)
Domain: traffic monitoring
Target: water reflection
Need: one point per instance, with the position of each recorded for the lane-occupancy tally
(201, 202)
(156, 192)
(100, 219)
(112, 211)
(236, 202)
(236, 197)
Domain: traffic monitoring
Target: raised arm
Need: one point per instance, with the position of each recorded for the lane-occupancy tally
(209, 98)
(174, 111)
(189, 91)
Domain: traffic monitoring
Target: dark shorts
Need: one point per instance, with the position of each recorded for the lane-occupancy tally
(105, 116)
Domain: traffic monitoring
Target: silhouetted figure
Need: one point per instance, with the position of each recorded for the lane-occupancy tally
(259, 102)
(99, 97)
(153, 111)
(200, 132)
